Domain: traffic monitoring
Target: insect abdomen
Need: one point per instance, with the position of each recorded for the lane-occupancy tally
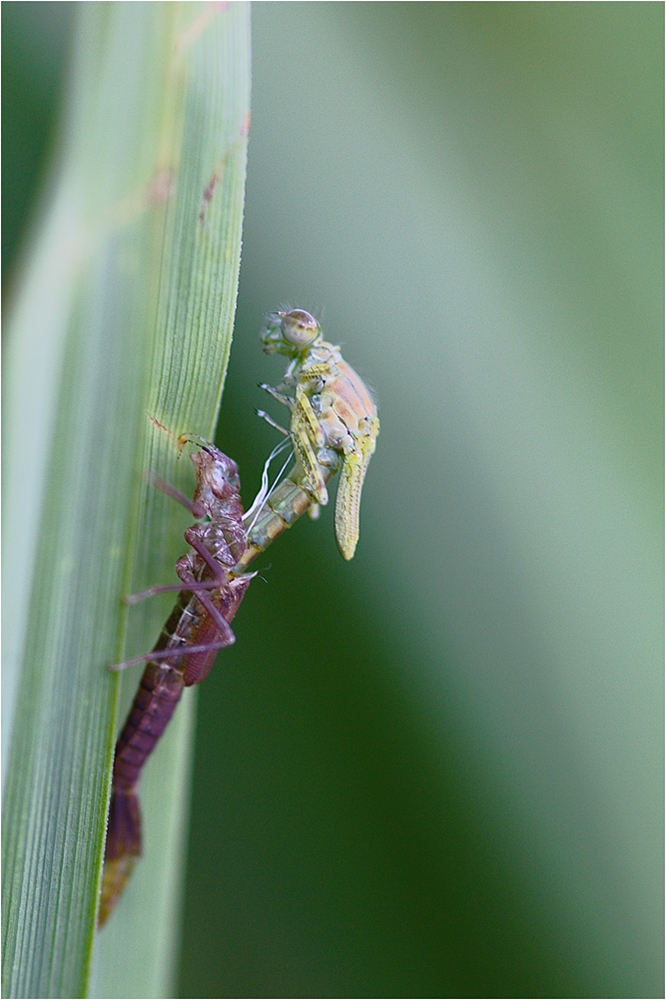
(155, 702)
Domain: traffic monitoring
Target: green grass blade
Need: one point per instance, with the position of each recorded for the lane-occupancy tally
(118, 343)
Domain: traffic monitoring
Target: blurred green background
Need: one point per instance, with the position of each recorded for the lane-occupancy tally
(437, 770)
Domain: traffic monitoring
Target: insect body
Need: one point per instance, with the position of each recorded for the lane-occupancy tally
(279, 508)
(333, 423)
(331, 411)
(197, 628)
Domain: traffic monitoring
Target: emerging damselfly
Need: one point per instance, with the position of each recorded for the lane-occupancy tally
(333, 422)
(332, 410)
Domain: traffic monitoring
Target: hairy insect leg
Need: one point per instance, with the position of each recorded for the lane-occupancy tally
(315, 372)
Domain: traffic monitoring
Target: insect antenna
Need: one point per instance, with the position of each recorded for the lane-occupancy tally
(197, 439)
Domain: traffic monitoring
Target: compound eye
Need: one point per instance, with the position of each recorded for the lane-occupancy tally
(299, 328)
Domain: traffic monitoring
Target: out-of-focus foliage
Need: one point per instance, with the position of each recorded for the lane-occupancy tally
(437, 771)
(35, 39)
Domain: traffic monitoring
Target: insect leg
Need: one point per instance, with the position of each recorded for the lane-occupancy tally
(218, 618)
(319, 371)
(215, 613)
(173, 653)
(276, 394)
(308, 440)
(218, 571)
(304, 407)
(143, 595)
(175, 494)
(269, 420)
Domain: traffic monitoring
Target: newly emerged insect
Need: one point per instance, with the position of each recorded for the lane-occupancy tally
(332, 411)
(333, 425)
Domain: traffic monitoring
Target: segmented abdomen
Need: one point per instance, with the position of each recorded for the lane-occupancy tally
(155, 702)
(285, 505)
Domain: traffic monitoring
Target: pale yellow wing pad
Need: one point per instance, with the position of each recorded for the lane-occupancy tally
(348, 499)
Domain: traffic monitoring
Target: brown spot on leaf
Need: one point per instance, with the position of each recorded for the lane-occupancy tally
(210, 188)
(160, 426)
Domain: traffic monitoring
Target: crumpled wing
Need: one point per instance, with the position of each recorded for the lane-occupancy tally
(348, 499)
